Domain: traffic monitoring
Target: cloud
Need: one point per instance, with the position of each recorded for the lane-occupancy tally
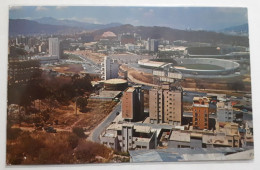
(61, 7)
(15, 7)
(41, 8)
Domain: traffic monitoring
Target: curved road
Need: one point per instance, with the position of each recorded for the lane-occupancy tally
(94, 136)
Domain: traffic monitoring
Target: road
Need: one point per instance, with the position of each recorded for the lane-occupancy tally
(88, 65)
(94, 136)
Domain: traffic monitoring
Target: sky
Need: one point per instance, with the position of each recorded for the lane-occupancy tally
(199, 18)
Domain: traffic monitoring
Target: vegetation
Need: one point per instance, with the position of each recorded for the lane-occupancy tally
(82, 103)
(79, 132)
(60, 148)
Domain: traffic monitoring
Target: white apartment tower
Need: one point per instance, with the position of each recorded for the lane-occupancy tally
(54, 47)
(110, 68)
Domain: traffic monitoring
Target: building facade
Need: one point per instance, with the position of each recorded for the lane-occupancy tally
(225, 112)
(165, 105)
(128, 136)
(110, 68)
(54, 47)
(133, 104)
(201, 109)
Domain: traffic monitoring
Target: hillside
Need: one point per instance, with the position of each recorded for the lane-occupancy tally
(25, 27)
(175, 34)
(238, 30)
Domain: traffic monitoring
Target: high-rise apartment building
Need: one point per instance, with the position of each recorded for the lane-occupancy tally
(165, 105)
(54, 47)
(200, 111)
(152, 45)
(133, 104)
(110, 68)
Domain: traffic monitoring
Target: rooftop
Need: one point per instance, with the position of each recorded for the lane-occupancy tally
(142, 129)
(106, 95)
(115, 81)
(180, 136)
(115, 126)
(139, 139)
(130, 89)
(200, 105)
(218, 140)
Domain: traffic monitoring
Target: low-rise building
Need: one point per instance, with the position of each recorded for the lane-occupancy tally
(225, 112)
(226, 135)
(129, 136)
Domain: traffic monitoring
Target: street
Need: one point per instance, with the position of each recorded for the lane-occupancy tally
(94, 136)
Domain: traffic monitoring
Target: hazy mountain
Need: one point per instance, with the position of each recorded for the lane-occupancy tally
(239, 30)
(74, 23)
(23, 26)
(175, 34)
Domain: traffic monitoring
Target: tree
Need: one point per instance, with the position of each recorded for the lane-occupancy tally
(79, 132)
(82, 103)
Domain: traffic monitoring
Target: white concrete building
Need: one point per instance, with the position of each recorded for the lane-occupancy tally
(54, 47)
(225, 112)
(110, 68)
(129, 136)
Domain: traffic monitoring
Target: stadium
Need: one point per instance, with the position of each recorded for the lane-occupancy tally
(194, 66)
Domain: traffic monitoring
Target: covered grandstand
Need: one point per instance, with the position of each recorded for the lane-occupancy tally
(194, 66)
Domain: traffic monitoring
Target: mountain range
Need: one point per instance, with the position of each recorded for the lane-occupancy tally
(239, 29)
(53, 26)
(48, 25)
(26, 27)
(167, 33)
(73, 23)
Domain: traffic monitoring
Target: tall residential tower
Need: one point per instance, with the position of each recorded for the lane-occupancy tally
(133, 104)
(54, 47)
(165, 105)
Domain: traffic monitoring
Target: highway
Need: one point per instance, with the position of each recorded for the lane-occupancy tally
(94, 136)
(88, 65)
